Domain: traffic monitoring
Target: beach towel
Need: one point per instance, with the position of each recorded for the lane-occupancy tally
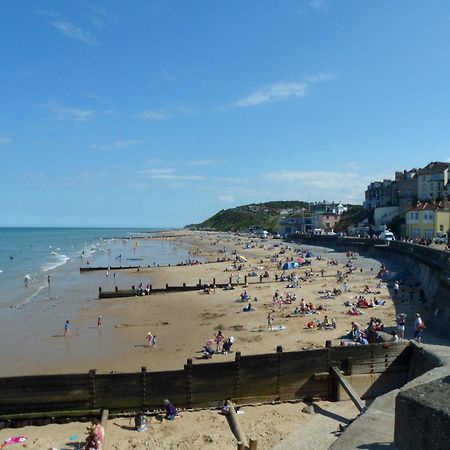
(14, 440)
(278, 328)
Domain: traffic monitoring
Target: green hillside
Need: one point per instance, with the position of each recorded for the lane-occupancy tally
(354, 215)
(264, 215)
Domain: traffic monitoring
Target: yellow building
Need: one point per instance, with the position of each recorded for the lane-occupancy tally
(427, 220)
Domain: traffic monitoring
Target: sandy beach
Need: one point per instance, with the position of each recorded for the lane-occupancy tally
(184, 321)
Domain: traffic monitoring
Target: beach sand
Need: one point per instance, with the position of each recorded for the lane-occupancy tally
(183, 322)
(273, 426)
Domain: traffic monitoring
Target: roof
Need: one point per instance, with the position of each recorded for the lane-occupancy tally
(428, 206)
(433, 167)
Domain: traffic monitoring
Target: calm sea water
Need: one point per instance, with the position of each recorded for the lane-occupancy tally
(36, 253)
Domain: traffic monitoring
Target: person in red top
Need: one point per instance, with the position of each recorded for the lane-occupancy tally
(219, 341)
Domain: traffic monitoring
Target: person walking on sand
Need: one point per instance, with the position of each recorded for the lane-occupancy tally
(99, 321)
(67, 328)
(269, 321)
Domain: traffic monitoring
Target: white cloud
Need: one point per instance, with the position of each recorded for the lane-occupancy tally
(233, 180)
(318, 5)
(73, 32)
(353, 165)
(226, 198)
(76, 115)
(168, 174)
(201, 162)
(345, 186)
(5, 140)
(117, 145)
(283, 90)
(154, 115)
(101, 18)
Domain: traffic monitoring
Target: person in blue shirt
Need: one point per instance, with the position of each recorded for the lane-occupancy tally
(171, 411)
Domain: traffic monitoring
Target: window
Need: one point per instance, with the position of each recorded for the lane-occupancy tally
(428, 216)
(428, 234)
(441, 227)
(413, 216)
(415, 233)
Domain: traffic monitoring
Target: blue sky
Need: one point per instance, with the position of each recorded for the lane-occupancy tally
(161, 113)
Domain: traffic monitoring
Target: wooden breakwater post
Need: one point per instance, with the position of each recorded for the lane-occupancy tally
(279, 356)
(92, 374)
(188, 372)
(237, 374)
(104, 424)
(235, 425)
(144, 388)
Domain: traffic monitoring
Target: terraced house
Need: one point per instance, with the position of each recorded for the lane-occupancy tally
(427, 220)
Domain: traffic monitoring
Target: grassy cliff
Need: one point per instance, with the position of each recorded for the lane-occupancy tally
(264, 215)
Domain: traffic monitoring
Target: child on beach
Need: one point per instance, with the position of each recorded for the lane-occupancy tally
(96, 437)
(67, 328)
(219, 341)
(151, 340)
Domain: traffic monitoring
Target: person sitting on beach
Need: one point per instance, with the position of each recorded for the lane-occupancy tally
(227, 345)
(171, 411)
(296, 311)
(362, 340)
(96, 436)
(245, 296)
(208, 350)
(248, 308)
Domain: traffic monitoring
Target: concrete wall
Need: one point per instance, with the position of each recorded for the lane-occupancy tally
(422, 417)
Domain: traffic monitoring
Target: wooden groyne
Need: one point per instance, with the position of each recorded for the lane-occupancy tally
(117, 293)
(110, 268)
(148, 266)
(281, 376)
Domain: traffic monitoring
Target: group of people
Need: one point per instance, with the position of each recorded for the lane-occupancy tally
(221, 345)
(325, 324)
(143, 290)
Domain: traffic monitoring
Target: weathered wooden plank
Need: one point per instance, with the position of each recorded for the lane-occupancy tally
(211, 385)
(171, 385)
(348, 388)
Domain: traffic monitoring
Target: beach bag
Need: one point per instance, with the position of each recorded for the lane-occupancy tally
(140, 422)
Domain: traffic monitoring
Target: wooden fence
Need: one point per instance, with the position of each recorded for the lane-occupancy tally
(247, 280)
(248, 379)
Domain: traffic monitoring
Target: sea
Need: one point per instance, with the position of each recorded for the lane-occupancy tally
(33, 260)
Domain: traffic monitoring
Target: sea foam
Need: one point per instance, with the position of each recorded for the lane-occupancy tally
(60, 260)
